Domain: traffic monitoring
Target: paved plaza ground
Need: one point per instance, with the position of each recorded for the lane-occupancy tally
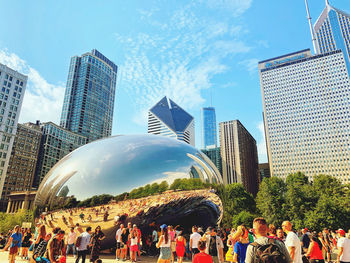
(105, 259)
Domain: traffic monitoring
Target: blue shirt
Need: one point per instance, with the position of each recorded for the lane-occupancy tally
(240, 249)
(16, 240)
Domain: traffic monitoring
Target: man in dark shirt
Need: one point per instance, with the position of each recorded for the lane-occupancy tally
(305, 240)
(214, 245)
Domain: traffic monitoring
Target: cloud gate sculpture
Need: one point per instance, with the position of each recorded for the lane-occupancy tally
(133, 178)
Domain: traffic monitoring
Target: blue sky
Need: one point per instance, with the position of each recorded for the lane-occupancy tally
(183, 49)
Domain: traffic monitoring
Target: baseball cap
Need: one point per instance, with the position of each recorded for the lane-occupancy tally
(163, 226)
(305, 229)
(341, 232)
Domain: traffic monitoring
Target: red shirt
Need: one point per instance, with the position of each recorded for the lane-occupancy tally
(316, 252)
(202, 258)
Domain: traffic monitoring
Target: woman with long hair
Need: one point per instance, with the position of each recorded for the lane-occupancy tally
(180, 246)
(133, 244)
(241, 245)
(26, 243)
(41, 236)
(164, 245)
(95, 243)
(314, 252)
(15, 243)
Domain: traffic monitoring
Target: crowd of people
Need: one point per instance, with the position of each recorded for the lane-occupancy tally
(262, 243)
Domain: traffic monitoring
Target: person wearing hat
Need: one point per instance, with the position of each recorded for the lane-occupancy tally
(214, 245)
(305, 240)
(164, 245)
(343, 247)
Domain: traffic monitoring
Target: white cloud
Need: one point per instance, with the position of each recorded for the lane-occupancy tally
(250, 64)
(181, 55)
(262, 152)
(42, 100)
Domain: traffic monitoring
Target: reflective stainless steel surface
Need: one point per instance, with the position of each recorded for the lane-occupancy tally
(121, 163)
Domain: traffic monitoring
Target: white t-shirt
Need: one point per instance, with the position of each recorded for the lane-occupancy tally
(292, 240)
(195, 237)
(345, 244)
(118, 235)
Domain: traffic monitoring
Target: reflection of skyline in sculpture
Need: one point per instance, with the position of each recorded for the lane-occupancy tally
(120, 164)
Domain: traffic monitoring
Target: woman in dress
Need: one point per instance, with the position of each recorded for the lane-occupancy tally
(26, 243)
(180, 247)
(95, 243)
(15, 243)
(164, 245)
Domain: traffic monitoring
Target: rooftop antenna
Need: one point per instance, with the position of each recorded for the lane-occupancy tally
(311, 28)
(211, 97)
(327, 3)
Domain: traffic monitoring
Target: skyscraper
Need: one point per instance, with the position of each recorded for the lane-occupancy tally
(239, 155)
(332, 32)
(13, 86)
(24, 156)
(89, 98)
(56, 143)
(167, 118)
(209, 135)
(215, 156)
(306, 113)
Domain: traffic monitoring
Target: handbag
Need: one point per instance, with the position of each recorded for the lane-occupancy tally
(229, 255)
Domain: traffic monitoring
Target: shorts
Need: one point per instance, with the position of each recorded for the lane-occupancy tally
(165, 253)
(119, 245)
(173, 246)
(195, 251)
(134, 248)
(13, 250)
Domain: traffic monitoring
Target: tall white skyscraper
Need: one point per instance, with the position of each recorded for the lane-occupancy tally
(166, 118)
(306, 102)
(12, 85)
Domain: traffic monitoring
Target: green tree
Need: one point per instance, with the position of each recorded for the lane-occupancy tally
(270, 200)
(163, 186)
(299, 199)
(243, 218)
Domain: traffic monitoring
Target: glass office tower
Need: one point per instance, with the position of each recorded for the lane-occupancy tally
(209, 135)
(89, 98)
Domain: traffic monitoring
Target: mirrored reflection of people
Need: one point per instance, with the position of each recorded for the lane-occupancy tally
(96, 239)
(164, 245)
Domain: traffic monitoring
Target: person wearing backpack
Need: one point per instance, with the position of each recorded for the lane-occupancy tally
(264, 249)
(292, 243)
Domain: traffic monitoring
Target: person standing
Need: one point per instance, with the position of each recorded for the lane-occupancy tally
(72, 236)
(194, 238)
(305, 240)
(164, 245)
(241, 245)
(118, 237)
(56, 247)
(260, 229)
(314, 252)
(82, 247)
(154, 242)
(344, 247)
(26, 243)
(15, 241)
(180, 247)
(124, 246)
(133, 237)
(202, 257)
(215, 246)
(292, 243)
(96, 239)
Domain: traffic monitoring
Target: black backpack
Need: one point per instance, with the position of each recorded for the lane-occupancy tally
(269, 253)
